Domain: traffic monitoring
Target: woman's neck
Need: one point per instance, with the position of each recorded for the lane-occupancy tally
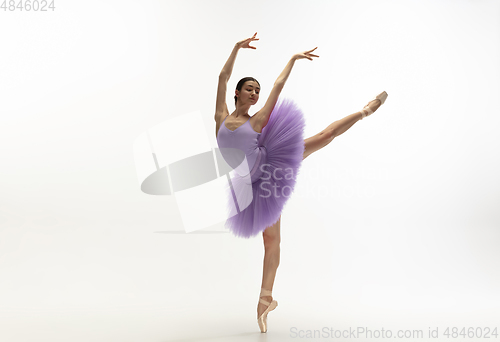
(241, 111)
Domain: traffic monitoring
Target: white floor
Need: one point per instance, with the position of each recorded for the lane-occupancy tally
(230, 321)
(94, 283)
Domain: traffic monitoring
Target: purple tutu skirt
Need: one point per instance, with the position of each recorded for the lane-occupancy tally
(274, 175)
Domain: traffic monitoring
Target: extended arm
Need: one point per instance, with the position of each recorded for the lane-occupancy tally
(225, 74)
(265, 112)
(228, 67)
(220, 104)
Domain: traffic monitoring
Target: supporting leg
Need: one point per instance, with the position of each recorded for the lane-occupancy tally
(272, 239)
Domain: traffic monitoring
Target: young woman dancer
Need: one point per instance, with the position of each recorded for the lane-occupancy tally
(273, 144)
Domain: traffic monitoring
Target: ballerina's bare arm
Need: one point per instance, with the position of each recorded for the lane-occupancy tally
(225, 74)
(264, 114)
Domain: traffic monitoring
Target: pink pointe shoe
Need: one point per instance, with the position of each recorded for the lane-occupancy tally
(366, 111)
(262, 320)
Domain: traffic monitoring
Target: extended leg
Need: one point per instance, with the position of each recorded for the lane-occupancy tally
(272, 239)
(323, 138)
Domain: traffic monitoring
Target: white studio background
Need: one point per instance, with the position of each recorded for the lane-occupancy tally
(395, 224)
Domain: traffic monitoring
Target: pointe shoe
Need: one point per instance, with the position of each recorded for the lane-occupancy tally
(262, 320)
(366, 111)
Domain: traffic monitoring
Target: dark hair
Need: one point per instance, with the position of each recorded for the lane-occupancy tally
(241, 83)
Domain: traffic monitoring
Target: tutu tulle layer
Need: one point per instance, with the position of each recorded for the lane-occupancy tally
(274, 174)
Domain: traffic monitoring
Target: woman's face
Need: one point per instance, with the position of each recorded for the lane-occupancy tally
(249, 93)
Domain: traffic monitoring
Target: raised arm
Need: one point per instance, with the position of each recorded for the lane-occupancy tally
(265, 112)
(225, 74)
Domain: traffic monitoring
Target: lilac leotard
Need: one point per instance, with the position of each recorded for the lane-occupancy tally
(245, 139)
(270, 158)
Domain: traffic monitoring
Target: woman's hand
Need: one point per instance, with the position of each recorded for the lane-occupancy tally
(305, 54)
(245, 43)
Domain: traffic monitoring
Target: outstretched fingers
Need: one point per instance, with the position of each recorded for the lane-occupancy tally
(307, 54)
(251, 40)
(310, 54)
(245, 43)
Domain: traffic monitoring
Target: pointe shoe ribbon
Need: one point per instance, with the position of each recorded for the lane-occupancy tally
(262, 320)
(366, 111)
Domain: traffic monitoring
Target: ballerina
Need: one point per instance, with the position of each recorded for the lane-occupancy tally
(273, 143)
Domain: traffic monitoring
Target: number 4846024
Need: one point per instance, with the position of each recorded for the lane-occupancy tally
(28, 5)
